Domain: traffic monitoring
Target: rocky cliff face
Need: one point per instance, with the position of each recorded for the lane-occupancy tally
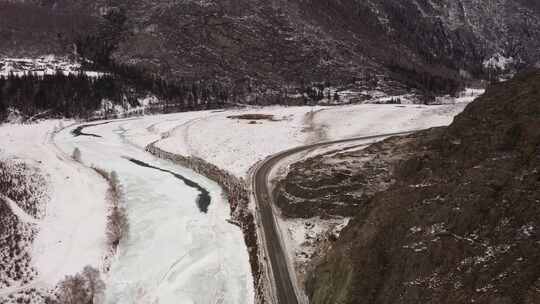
(439, 37)
(426, 45)
(459, 222)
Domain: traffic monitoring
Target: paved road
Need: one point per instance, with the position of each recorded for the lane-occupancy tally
(284, 284)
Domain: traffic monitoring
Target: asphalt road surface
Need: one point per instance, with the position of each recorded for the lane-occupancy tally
(284, 282)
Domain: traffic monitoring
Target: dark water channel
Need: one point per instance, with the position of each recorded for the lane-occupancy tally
(203, 200)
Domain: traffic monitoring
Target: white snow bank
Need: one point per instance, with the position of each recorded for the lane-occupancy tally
(304, 236)
(498, 61)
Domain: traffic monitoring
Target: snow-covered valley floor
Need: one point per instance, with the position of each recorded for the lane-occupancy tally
(174, 252)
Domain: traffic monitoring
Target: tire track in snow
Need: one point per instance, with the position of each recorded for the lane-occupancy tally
(184, 128)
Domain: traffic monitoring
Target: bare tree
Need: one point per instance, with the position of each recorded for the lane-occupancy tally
(94, 284)
(83, 288)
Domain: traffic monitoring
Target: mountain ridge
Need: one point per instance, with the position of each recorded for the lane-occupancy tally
(428, 46)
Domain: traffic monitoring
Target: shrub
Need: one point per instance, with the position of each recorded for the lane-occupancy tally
(117, 225)
(117, 222)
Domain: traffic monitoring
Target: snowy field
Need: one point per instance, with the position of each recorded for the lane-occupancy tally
(371, 119)
(237, 144)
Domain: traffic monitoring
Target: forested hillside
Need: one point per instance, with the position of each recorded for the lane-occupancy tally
(268, 51)
(81, 96)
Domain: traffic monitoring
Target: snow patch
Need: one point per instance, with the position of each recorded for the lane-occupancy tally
(498, 61)
(45, 65)
(466, 96)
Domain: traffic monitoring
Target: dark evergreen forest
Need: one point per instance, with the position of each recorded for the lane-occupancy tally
(79, 96)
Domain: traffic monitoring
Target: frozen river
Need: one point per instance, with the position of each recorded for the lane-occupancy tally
(180, 248)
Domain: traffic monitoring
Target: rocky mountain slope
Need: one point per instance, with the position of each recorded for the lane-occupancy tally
(457, 217)
(429, 46)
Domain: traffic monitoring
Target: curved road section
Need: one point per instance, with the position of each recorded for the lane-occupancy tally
(284, 288)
